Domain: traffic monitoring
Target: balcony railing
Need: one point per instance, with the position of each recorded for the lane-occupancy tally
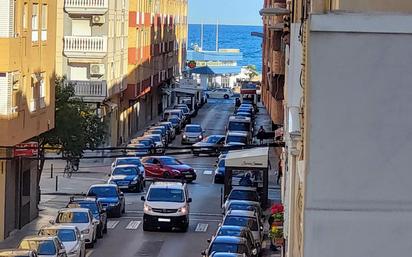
(90, 91)
(86, 6)
(85, 47)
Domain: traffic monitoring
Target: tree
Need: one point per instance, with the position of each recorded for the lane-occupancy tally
(77, 126)
(251, 71)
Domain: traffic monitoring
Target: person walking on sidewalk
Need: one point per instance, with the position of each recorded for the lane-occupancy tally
(261, 134)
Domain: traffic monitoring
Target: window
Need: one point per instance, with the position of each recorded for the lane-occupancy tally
(42, 91)
(44, 22)
(25, 13)
(35, 23)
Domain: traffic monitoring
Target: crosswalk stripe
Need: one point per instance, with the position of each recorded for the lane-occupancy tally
(134, 224)
(111, 224)
(207, 172)
(201, 227)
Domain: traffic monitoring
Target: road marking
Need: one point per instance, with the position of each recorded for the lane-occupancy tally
(192, 219)
(134, 224)
(89, 252)
(207, 172)
(201, 227)
(111, 224)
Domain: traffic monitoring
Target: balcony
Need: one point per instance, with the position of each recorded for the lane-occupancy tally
(86, 6)
(85, 47)
(90, 91)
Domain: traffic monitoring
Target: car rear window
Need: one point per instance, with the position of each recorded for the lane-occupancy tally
(241, 221)
(43, 247)
(226, 248)
(105, 191)
(193, 129)
(72, 217)
(65, 235)
(243, 195)
(131, 161)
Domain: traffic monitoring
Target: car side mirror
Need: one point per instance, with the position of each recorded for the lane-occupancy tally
(113, 165)
(208, 240)
(143, 198)
(95, 222)
(189, 200)
(108, 175)
(203, 253)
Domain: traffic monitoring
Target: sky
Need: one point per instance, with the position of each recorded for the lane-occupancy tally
(229, 12)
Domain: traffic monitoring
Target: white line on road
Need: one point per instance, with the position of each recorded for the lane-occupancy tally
(111, 224)
(134, 224)
(207, 172)
(201, 227)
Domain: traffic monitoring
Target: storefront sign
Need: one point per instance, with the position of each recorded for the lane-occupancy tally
(28, 149)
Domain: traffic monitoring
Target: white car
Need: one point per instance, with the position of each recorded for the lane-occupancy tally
(45, 246)
(166, 205)
(225, 93)
(82, 218)
(70, 236)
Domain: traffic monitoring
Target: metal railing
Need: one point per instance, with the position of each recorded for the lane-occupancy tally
(86, 6)
(83, 45)
(90, 91)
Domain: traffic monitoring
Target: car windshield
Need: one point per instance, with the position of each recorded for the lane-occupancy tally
(170, 161)
(92, 206)
(229, 232)
(241, 221)
(193, 129)
(103, 191)
(242, 207)
(245, 114)
(236, 139)
(143, 142)
(166, 195)
(226, 248)
(238, 126)
(212, 139)
(126, 171)
(43, 247)
(245, 195)
(72, 217)
(129, 161)
(65, 235)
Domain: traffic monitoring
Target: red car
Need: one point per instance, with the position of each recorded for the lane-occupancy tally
(167, 167)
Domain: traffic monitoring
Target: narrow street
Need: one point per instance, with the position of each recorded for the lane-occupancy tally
(126, 237)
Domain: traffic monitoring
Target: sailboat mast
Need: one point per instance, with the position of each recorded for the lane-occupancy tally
(201, 36)
(217, 36)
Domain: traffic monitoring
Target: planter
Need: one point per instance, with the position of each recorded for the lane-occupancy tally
(279, 241)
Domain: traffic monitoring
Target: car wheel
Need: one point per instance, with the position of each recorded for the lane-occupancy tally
(226, 96)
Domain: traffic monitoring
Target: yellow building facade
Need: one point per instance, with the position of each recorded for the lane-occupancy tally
(27, 37)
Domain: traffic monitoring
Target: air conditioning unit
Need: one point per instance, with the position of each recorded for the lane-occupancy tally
(98, 19)
(97, 69)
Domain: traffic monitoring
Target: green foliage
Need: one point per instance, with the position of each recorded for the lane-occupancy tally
(252, 71)
(77, 125)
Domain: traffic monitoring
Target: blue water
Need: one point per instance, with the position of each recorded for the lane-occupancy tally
(230, 36)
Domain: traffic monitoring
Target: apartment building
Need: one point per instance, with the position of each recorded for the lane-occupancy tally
(27, 37)
(156, 55)
(91, 53)
(346, 107)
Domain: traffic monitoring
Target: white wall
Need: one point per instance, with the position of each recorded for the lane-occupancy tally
(359, 139)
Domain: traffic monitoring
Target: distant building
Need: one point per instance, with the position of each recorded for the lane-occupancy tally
(27, 39)
(346, 166)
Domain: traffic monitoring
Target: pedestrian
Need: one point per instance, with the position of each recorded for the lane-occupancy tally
(261, 134)
(279, 172)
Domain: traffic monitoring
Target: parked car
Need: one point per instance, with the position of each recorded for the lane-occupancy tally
(236, 139)
(135, 161)
(169, 127)
(98, 212)
(168, 167)
(167, 204)
(186, 112)
(241, 193)
(70, 236)
(138, 150)
(193, 133)
(177, 123)
(246, 206)
(147, 142)
(17, 253)
(159, 144)
(219, 173)
(81, 218)
(209, 145)
(159, 132)
(44, 246)
(228, 244)
(225, 93)
(174, 112)
(248, 219)
(110, 196)
(127, 177)
(239, 231)
(165, 132)
(227, 255)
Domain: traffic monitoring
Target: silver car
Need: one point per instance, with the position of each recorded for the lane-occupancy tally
(70, 236)
(193, 133)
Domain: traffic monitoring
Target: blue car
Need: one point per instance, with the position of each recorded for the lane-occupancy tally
(220, 172)
(127, 177)
(111, 198)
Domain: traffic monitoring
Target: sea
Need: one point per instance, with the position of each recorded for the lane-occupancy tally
(230, 36)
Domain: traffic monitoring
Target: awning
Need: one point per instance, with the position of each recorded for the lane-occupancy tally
(185, 91)
(216, 70)
(250, 158)
(274, 11)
